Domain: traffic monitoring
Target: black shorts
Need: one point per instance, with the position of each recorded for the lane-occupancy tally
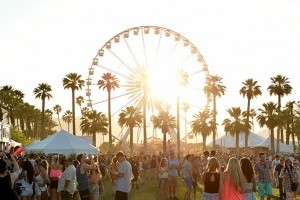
(121, 195)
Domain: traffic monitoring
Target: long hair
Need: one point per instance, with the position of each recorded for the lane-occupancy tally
(213, 164)
(236, 175)
(247, 169)
(29, 169)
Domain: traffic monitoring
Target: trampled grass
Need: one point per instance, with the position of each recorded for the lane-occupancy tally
(150, 191)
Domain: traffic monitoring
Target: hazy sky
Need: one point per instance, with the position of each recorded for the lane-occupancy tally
(42, 41)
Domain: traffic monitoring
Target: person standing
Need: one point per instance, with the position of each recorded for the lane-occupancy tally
(278, 169)
(163, 178)
(250, 182)
(187, 172)
(289, 176)
(82, 176)
(275, 162)
(173, 165)
(232, 183)
(123, 177)
(66, 183)
(264, 172)
(211, 180)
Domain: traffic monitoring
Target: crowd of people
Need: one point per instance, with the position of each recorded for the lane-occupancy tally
(223, 176)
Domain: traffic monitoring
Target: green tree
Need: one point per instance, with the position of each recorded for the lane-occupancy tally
(202, 125)
(43, 92)
(74, 82)
(109, 82)
(269, 117)
(130, 117)
(57, 109)
(280, 86)
(165, 122)
(80, 101)
(290, 107)
(92, 123)
(214, 88)
(236, 124)
(67, 117)
(251, 90)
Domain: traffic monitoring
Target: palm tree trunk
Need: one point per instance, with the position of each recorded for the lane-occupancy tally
(287, 134)
(178, 124)
(145, 121)
(204, 143)
(214, 121)
(73, 111)
(165, 143)
(248, 115)
(94, 139)
(278, 140)
(237, 142)
(109, 124)
(131, 139)
(43, 120)
(59, 122)
(272, 141)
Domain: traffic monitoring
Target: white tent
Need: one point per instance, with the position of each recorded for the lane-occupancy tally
(283, 148)
(62, 142)
(229, 140)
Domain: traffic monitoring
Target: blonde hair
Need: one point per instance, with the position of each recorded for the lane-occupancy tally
(213, 164)
(236, 175)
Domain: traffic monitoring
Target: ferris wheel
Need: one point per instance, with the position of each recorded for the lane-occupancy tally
(148, 61)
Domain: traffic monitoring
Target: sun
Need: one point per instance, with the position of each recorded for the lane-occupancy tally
(163, 83)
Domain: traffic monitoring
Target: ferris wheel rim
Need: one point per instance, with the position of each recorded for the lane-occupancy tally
(137, 29)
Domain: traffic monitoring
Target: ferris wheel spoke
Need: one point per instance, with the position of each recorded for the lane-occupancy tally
(113, 71)
(115, 97)
(158, 45)
(123, 106)
(132, 54)
(145, 51)
(121, 60)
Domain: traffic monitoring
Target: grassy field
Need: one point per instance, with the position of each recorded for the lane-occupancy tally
(150, 191)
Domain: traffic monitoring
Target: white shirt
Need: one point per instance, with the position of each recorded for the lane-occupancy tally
(68, 174)
(123, 184)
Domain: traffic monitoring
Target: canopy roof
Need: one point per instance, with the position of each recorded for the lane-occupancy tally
(229, 140)
(283, 148)
(62, 142)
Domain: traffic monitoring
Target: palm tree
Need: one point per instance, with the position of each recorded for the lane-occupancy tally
(214, 87)
(280, 86)
(182, 80)
(42, 92)
(92, 123)
(164, 121)
(130, 117)
(236, 124)
(80, 101)
(109, 82)
(67, 117)
(250, 90)
(290, 107)
(202, 125)
(286, 119)
(57, 109)
(74, 82)
(269, 117)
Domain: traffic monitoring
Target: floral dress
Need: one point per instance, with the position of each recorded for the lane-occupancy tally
(286, 178)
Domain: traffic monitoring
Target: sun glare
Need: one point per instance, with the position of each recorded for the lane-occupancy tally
(163, 83)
